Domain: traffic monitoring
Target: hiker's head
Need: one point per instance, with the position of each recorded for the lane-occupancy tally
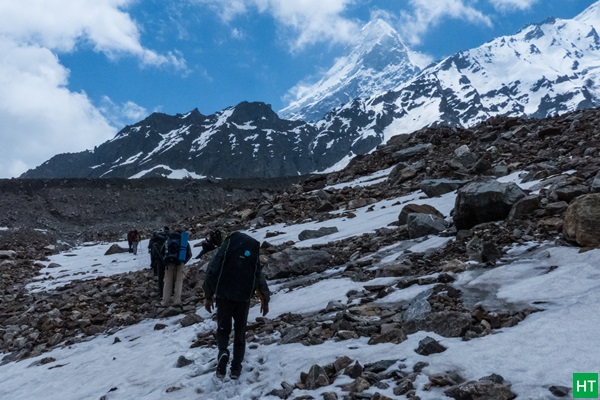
(215, 237)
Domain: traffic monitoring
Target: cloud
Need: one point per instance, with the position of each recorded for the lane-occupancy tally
(39, 115)
(425, 14)
(65, 25)
(121, 114)
(509, 5)
(305, 21)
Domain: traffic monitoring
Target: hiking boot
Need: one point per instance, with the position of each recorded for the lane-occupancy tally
(235, 372)
(222, 365)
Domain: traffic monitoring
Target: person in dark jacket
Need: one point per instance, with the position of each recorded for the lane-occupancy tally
(156, 248)
(212, 240)
(232, 278)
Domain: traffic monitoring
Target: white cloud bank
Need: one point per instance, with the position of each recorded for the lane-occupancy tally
(39, 115)
(307, 21)
(426, 14)
(508, 5)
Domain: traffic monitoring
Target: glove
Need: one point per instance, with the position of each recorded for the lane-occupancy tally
(264, 304)
(208, 304)
(264, 307)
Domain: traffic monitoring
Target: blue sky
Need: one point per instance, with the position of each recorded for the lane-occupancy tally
(74, 72)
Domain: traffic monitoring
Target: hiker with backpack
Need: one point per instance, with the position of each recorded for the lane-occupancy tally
(177, 252)
(156, 248)
(213, 239)
(232, 278)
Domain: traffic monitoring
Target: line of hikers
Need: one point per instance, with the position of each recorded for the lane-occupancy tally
(233, 277)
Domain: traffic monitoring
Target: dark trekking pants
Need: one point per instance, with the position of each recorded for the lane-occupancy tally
(227, 311)
(160, 270)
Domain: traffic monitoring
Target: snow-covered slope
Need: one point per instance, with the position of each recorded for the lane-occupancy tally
(538, 353)
(378, 62)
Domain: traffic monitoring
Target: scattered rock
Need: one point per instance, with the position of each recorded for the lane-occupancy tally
(313, 234)
(581, 221)
(428, 346)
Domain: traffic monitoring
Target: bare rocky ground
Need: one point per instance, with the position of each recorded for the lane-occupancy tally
(563, 152)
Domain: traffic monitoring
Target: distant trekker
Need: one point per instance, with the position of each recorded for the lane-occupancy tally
(133, 240)
(213, 239)
(156, 248)
(232, 278)
(177, 252)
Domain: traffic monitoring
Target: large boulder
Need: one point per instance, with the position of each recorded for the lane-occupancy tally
(295, 262)
(420, 225)
(484, 201)
(581, 221)
(410, 152)
(438, 187)
(492, 387)
(115, 249)
(417, 209)
(317, 233)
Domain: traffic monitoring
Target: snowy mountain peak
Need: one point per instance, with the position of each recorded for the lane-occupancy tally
(377, 62)
(590, 15)
(377, 29)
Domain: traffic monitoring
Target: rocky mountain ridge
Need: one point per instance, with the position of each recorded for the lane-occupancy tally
(559, 156)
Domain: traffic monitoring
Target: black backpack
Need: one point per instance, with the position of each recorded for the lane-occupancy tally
(172, 247)
(235, 268)
(157, 243)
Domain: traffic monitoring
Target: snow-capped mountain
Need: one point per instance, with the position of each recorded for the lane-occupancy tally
(378, 61)
(545, 69)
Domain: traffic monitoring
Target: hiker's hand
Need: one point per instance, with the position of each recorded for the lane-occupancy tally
(264, 307)
(208, 304)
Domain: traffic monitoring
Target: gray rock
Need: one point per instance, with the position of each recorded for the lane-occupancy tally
(418, 307)
(428, 346)
(116, 249)
(568, 193)
(493, 387)
(183, 362)
(444, 323)
(484, 201)
(438, 187)
(294, 262)
(294, 334)
(581, 221)
(410, 152)
(400, 175)
(313, 234)
(420, 225)
(524, 207)
(191, 319)
(316, 378)
(417, 209)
